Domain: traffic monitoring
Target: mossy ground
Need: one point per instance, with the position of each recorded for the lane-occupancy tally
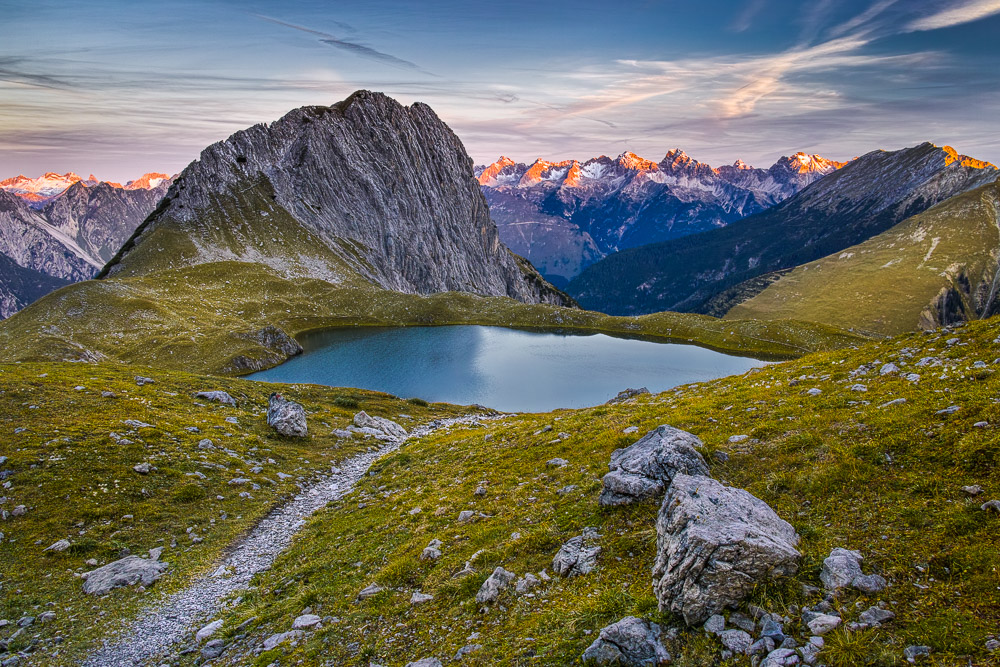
(77, 480)
(844, 470)
(197, 319)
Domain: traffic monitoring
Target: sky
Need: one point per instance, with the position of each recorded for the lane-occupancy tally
(122, 88)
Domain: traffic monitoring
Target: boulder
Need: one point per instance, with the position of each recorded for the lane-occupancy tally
(579, 555)
(645, 469)
(208, 631)
(842, 569)
(714, 545)
(631, 642)
(277, 640)
(500, 580)
(286, 417)
(380, 425)
(125, 572)
(216, 396)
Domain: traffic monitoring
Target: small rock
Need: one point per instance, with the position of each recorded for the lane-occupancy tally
(773, 630)
(721, 457)
(208, 630)
(425, 662)
(950, 410)
(213, 649)
(988, 506)
(631, 642)
(627, 394)
(630, 430)
(715, 624)
(873, 617)
(842, 568)
(216, 396)
(781, 657)
(815, 391)
(379, 426)
(973, 490)
(737, 641)
(466, 650)
(859, 387)
(823, 623)
(497, 582)
(21, 510)
(733, 439)
(370, 590)
(125, 572)
(108, 394)
(277, 640)
(762, 646)
(142, 468)
(993, 645)
(579, 555)
(911, 653)
(432, 551)
(526, 583)
(895, 401)
(46, 617)
(742, 621)
(61, 545)
(305, 622)
(888, 368)
(556, 463)
(480, 491)
(140, 380)
(420, 598)
(465, 516)
(206, 444)
(25, 621)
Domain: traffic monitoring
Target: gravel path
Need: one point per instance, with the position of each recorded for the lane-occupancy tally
(159, 628)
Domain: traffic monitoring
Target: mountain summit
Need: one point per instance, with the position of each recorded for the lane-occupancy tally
(366, 187)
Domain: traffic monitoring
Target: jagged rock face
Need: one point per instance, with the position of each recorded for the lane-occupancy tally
(65, 237)
(368, 184)
(646, 468)
(567, 215)
(851, 205)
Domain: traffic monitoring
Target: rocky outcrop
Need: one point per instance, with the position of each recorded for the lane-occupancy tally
(286, 417)
(645, 469)
(631, 642)
(366, 187)
(378, 426)
(125, 572)
(714, 544)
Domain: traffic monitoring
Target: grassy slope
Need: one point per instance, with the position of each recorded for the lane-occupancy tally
(191, 318)
(883, 284)
(843, 470)
(78, 483)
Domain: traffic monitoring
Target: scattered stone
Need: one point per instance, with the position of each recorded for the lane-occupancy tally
(981, 424)
(913, 377)
(420, 598)
(773, 630)
(762, 646)
(25, 621)
(873, 617)
(627, 394)
(629, 430)
(895, 401)
(714, 545)
(108, 394)
(213, 649)
(742, 621)
(286, 417)
(277, 640)
(124, 572)
(306, 621)
(911, 653)
(140, 380)
(737, 641)
(973, 490)
(466, 650)
(715, 624)
(556, 463)
(859, 387)
(645, 469)
(526, 583)
(142, 468)
(425, 662)
(631, 642)
(135, 423)
(815, 391)
(379, 426)
(208, 630)
(46, 617)
(480, 491)
(497, 582)
(781, 657)
(823, 623)
(466, 515)
(21, 510)
(569, 488)
(950, 410)
(989, 505)
(842, 568)
(370, 590)
(993, 645)
(721, 457)
(216, 396)
(432, 551)
(733, 439)
(61, 545)
(579, 555)
(888, 368)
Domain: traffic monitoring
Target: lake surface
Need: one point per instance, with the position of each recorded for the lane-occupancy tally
(505, 369)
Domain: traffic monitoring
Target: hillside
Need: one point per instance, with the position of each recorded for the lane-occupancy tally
(855, 203)
(880, 469)
(935, 268)
(564, 216)
(21, 286)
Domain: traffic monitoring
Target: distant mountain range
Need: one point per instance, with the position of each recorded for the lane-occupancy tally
(564, 216)
(714, 271)
(64, 229)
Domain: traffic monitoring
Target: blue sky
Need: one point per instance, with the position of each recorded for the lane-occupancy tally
(121, 88)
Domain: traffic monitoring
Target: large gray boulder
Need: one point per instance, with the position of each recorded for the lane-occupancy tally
(125, 572)
(579, 555)
(631, 642)
(286, 417)
(379, 426)
(644, 469)
(714, 543)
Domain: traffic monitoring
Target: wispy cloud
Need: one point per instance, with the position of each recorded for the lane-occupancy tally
(744, 20)
(351, 47)
(966, 12)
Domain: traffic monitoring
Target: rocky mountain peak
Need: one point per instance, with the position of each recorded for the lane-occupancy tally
(631, 161)
(366, 187)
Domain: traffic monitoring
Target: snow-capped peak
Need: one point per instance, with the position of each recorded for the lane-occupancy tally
(50, 184)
